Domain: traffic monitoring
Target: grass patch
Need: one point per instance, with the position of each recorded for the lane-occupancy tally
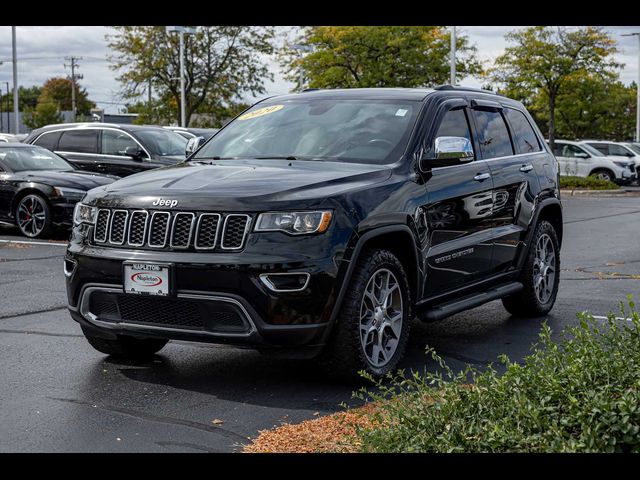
(580, 394)
(586, 183)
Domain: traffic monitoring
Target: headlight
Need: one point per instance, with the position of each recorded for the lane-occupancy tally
(623, 164)
(295, 223)
(70, 193)
(84, 214)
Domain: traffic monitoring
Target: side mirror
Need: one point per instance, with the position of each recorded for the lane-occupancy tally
(581, 155)
(448, 151)
(134, 152)
(192, 145)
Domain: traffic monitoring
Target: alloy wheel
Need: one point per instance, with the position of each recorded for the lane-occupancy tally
(544, 269)
(31, 215)
(381, 315)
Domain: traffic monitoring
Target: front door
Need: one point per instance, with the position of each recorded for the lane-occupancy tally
(80, 147)
(458, 213)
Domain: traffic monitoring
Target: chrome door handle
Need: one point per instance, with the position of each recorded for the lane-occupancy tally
(481, 177)
(526, 168)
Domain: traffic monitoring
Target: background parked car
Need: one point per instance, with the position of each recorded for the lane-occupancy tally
(189, 133)
(581, 160)
(8, 138)
(110, 148)
(39, 189)
(617, 149)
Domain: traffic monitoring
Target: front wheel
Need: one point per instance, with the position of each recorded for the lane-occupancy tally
(33, 216)
(126, 347)
(604, 175)
(372, 329)
(540, 275)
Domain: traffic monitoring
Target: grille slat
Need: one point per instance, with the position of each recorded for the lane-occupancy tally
(235, 229)
(207, 231)
(181, 231)
(167, 230)
(118, 226)
(137, 228)
(159, 230)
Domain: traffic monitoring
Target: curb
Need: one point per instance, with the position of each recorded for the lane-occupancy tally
(602, 193)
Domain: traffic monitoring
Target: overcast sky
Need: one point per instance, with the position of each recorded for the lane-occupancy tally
(42, 52)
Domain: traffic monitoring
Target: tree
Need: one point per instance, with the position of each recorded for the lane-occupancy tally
(543, 61)
(378, 56)
(28, 98)
(45, 113)
(58, 91)
(222, 64)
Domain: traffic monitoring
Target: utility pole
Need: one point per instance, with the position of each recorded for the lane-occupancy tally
(453, 56)
(183, 101)
(8, 111)
(301, 50)
(149, 92)
(637, 34)
(15, 81)
(73, 65)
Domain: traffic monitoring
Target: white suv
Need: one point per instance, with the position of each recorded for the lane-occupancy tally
(617, 149)
(582, 160)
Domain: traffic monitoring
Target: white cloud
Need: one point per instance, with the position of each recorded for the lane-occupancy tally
(41, 52)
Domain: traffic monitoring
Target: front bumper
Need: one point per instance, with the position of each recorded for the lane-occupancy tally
(204, 285)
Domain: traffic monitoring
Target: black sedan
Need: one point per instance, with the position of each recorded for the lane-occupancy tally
(39, 189)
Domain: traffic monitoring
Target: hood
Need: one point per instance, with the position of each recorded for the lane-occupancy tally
(68, 178)
(233, 183)
(169, 159)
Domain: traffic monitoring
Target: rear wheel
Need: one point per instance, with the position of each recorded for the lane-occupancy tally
(126, 347)
(33, 216)
(540, 275)
(372, 328)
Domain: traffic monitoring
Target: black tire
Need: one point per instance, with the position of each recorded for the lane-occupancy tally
(603, 175)
(527, 303)
(126, 347)
(344, 356)
(47, 225)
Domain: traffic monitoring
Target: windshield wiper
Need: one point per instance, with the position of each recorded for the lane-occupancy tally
(275, 157)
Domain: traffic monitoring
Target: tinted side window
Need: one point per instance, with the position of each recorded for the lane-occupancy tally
(524, 136)
(493, 134)
(601, 147)
(115, 143)
(454, 124)
(83, 141)
(618, 150)
(48, 140)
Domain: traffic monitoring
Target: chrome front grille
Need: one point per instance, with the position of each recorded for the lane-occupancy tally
(171, 230)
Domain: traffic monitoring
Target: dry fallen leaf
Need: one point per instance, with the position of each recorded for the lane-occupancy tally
(217, 421)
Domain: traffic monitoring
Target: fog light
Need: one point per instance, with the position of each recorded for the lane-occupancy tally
(285, 282)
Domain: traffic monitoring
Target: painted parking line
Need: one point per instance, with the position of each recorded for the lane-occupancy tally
(59, 244)
(600, 317)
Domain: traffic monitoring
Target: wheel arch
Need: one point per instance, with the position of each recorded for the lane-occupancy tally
(399, 240)
(603, 169)
(28, 190)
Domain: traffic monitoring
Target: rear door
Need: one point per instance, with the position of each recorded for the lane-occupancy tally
(514, 169)
(459, 209)
(80, 147)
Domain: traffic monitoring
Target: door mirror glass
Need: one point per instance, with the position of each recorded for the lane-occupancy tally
(134, 152)
(448, 151)
(193, 144)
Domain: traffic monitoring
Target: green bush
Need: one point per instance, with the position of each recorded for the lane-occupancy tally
(580, 394)
(587, 183)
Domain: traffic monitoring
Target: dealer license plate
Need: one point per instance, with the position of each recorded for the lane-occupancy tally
(146, 278)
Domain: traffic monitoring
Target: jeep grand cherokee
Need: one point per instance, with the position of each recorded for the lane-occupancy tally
(320, 224)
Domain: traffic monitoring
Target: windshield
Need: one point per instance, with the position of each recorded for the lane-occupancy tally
(634, 147)
(361, 131)
(162, 142)
(591, 150)
(32, 158)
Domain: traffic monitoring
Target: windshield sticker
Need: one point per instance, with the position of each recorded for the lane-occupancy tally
(401, 112)
(260, 112)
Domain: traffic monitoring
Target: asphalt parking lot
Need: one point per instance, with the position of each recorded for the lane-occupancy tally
(58, 394)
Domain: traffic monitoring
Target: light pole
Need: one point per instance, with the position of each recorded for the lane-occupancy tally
(453, 56)
(181, 31)
(301, 48)
(637, 34)
(15, 80)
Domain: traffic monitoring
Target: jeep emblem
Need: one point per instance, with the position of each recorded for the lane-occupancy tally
(161, 202)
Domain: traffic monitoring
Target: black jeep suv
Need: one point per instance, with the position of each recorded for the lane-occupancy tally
(320, 223)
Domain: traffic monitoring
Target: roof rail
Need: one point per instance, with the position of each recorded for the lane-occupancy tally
(310, 90)
(463, 89)
(81, 124)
